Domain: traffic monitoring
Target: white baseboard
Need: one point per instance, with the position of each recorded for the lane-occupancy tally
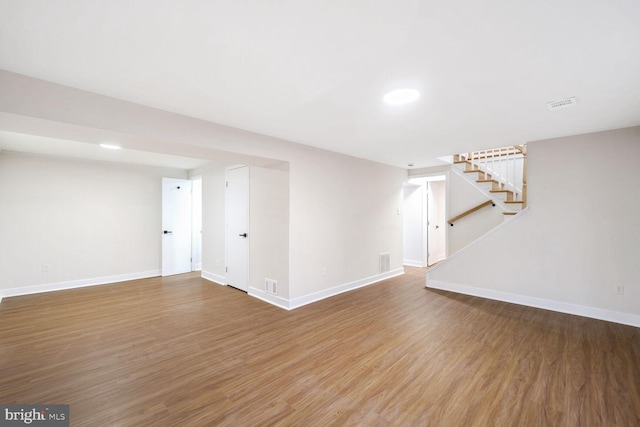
(307, 299)
(270, 298)
(257, 293)
(50, 287)
(220, 280)
(317, 296)
(413, 263)
(562, 307)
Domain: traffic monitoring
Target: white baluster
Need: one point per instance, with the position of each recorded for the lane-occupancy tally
(493, 165)
(513, 173)
(506, 173)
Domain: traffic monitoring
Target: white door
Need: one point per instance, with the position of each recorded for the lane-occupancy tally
(237, 230)
(176, 226)
(436, 222)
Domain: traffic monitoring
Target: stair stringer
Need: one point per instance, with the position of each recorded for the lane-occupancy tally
(471, 179)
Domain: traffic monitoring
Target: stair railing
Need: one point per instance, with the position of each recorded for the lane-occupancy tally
(505, 166)
(470, 211)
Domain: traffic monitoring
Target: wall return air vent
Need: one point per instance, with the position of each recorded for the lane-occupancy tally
(385, 262)
(563, 103)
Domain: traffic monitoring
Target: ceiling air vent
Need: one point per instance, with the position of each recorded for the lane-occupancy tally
(563, 103)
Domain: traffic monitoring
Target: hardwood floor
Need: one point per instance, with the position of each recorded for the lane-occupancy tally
(184, 351)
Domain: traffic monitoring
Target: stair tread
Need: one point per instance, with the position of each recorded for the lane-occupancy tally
(472, 170)
(500, 191)
(509, 213)
(513, 201)
(486, 180)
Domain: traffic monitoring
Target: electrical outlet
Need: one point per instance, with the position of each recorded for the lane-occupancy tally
(618, 290)
(45, 268)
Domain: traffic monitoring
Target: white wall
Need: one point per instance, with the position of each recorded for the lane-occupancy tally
(462, 197)
(337, 214)
(269, 230)
(576, 242)
(213, 221)
(88, 221)
(344, 212)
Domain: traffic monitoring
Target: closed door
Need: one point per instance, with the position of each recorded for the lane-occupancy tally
(237, 227)
(176, 226)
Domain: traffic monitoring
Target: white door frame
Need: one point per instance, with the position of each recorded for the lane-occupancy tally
(423, 180)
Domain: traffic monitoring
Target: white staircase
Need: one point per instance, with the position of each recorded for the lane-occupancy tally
(499, 173)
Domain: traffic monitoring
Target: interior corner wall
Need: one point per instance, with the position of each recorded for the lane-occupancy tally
(269, 230)
(213, 221)
(336, 214)
(83, 221)
(344, 212)
(577, 241)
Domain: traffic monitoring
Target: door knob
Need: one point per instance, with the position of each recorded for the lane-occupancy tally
(243, 235)
(168, 232)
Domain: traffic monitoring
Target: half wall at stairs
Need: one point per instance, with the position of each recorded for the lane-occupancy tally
(578, 241)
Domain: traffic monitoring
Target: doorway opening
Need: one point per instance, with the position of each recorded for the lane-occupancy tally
(425, 233)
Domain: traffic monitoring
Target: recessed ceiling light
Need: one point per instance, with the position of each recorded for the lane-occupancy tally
(110, 146)
(401, 96)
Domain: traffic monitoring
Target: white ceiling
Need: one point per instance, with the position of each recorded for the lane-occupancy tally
(12, 141)
(315, 71)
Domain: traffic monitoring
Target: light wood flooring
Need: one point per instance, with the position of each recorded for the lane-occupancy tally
(182, 351)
